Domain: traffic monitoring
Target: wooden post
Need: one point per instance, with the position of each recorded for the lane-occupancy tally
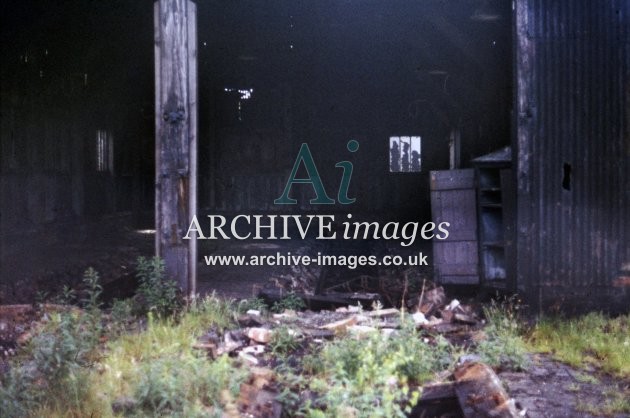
(175, 23)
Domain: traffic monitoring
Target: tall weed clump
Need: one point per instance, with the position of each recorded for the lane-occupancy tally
(55, 367)
(504, 345)
(157, 293)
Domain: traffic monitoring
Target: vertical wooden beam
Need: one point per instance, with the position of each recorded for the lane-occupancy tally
(522, 153)
(175, 25)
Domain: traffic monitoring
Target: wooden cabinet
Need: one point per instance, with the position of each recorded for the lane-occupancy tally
(479, 204)
(495, 212)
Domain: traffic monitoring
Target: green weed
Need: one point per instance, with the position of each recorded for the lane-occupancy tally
(593, 338)
(257, 304)
(54, 370)
(184, 385)
(616, 402)
(210, 310)
(284, 340)
(157, 293)
(504, 345)
(375, 376)
(290, 302)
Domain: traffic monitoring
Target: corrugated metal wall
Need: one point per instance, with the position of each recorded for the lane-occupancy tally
(573, 150)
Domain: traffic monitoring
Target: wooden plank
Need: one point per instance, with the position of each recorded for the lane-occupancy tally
(192, 137)
(455, 254)
(442, 391)
(176, 137)
(481, 394)
(437, 400)
(452, 179)
(452, 269)
(457, 207)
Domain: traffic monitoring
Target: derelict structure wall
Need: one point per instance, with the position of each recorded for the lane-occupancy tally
(572, 88)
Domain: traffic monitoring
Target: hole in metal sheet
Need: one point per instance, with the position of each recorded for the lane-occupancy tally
(566, 176)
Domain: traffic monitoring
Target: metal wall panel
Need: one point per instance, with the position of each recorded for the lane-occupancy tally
(573, 151)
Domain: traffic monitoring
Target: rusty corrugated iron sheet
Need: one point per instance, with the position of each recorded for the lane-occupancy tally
(572, 152)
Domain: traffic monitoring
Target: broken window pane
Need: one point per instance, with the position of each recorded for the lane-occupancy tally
(404, 154)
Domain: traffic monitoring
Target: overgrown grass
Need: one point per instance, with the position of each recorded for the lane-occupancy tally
(154, 372)
(152, 369)
(376, 376)
(160, 371)
(594, 338)
(615, 402)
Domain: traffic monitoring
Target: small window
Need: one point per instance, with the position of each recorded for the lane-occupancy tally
(405, 154)
(104, 152)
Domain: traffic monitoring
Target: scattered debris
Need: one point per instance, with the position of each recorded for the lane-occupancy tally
(260, 335)
(453, 305)
(384, 312)
(473, 390)
(428, 302)
(465, 319)
(248, 358)
(361, 330)
(288, 313)
(419, 318)
(341, 324)
(249, 320)
(331, 300)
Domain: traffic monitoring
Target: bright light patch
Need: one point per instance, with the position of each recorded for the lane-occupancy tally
(245, 94)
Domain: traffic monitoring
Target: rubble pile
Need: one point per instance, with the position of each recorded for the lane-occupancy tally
(472, 390)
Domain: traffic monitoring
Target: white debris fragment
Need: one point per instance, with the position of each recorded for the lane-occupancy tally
(288, 313)
(341, 324)
(419, 318)
(253, 361)
(361, 330)
(254, 349)
(451, 306)
(260, 335)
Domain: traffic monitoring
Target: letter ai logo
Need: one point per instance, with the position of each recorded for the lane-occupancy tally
(304, 157)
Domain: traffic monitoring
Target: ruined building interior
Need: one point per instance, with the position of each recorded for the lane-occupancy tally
(420, 86)
(78, 115)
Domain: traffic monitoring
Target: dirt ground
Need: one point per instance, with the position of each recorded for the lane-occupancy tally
(548, 389)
